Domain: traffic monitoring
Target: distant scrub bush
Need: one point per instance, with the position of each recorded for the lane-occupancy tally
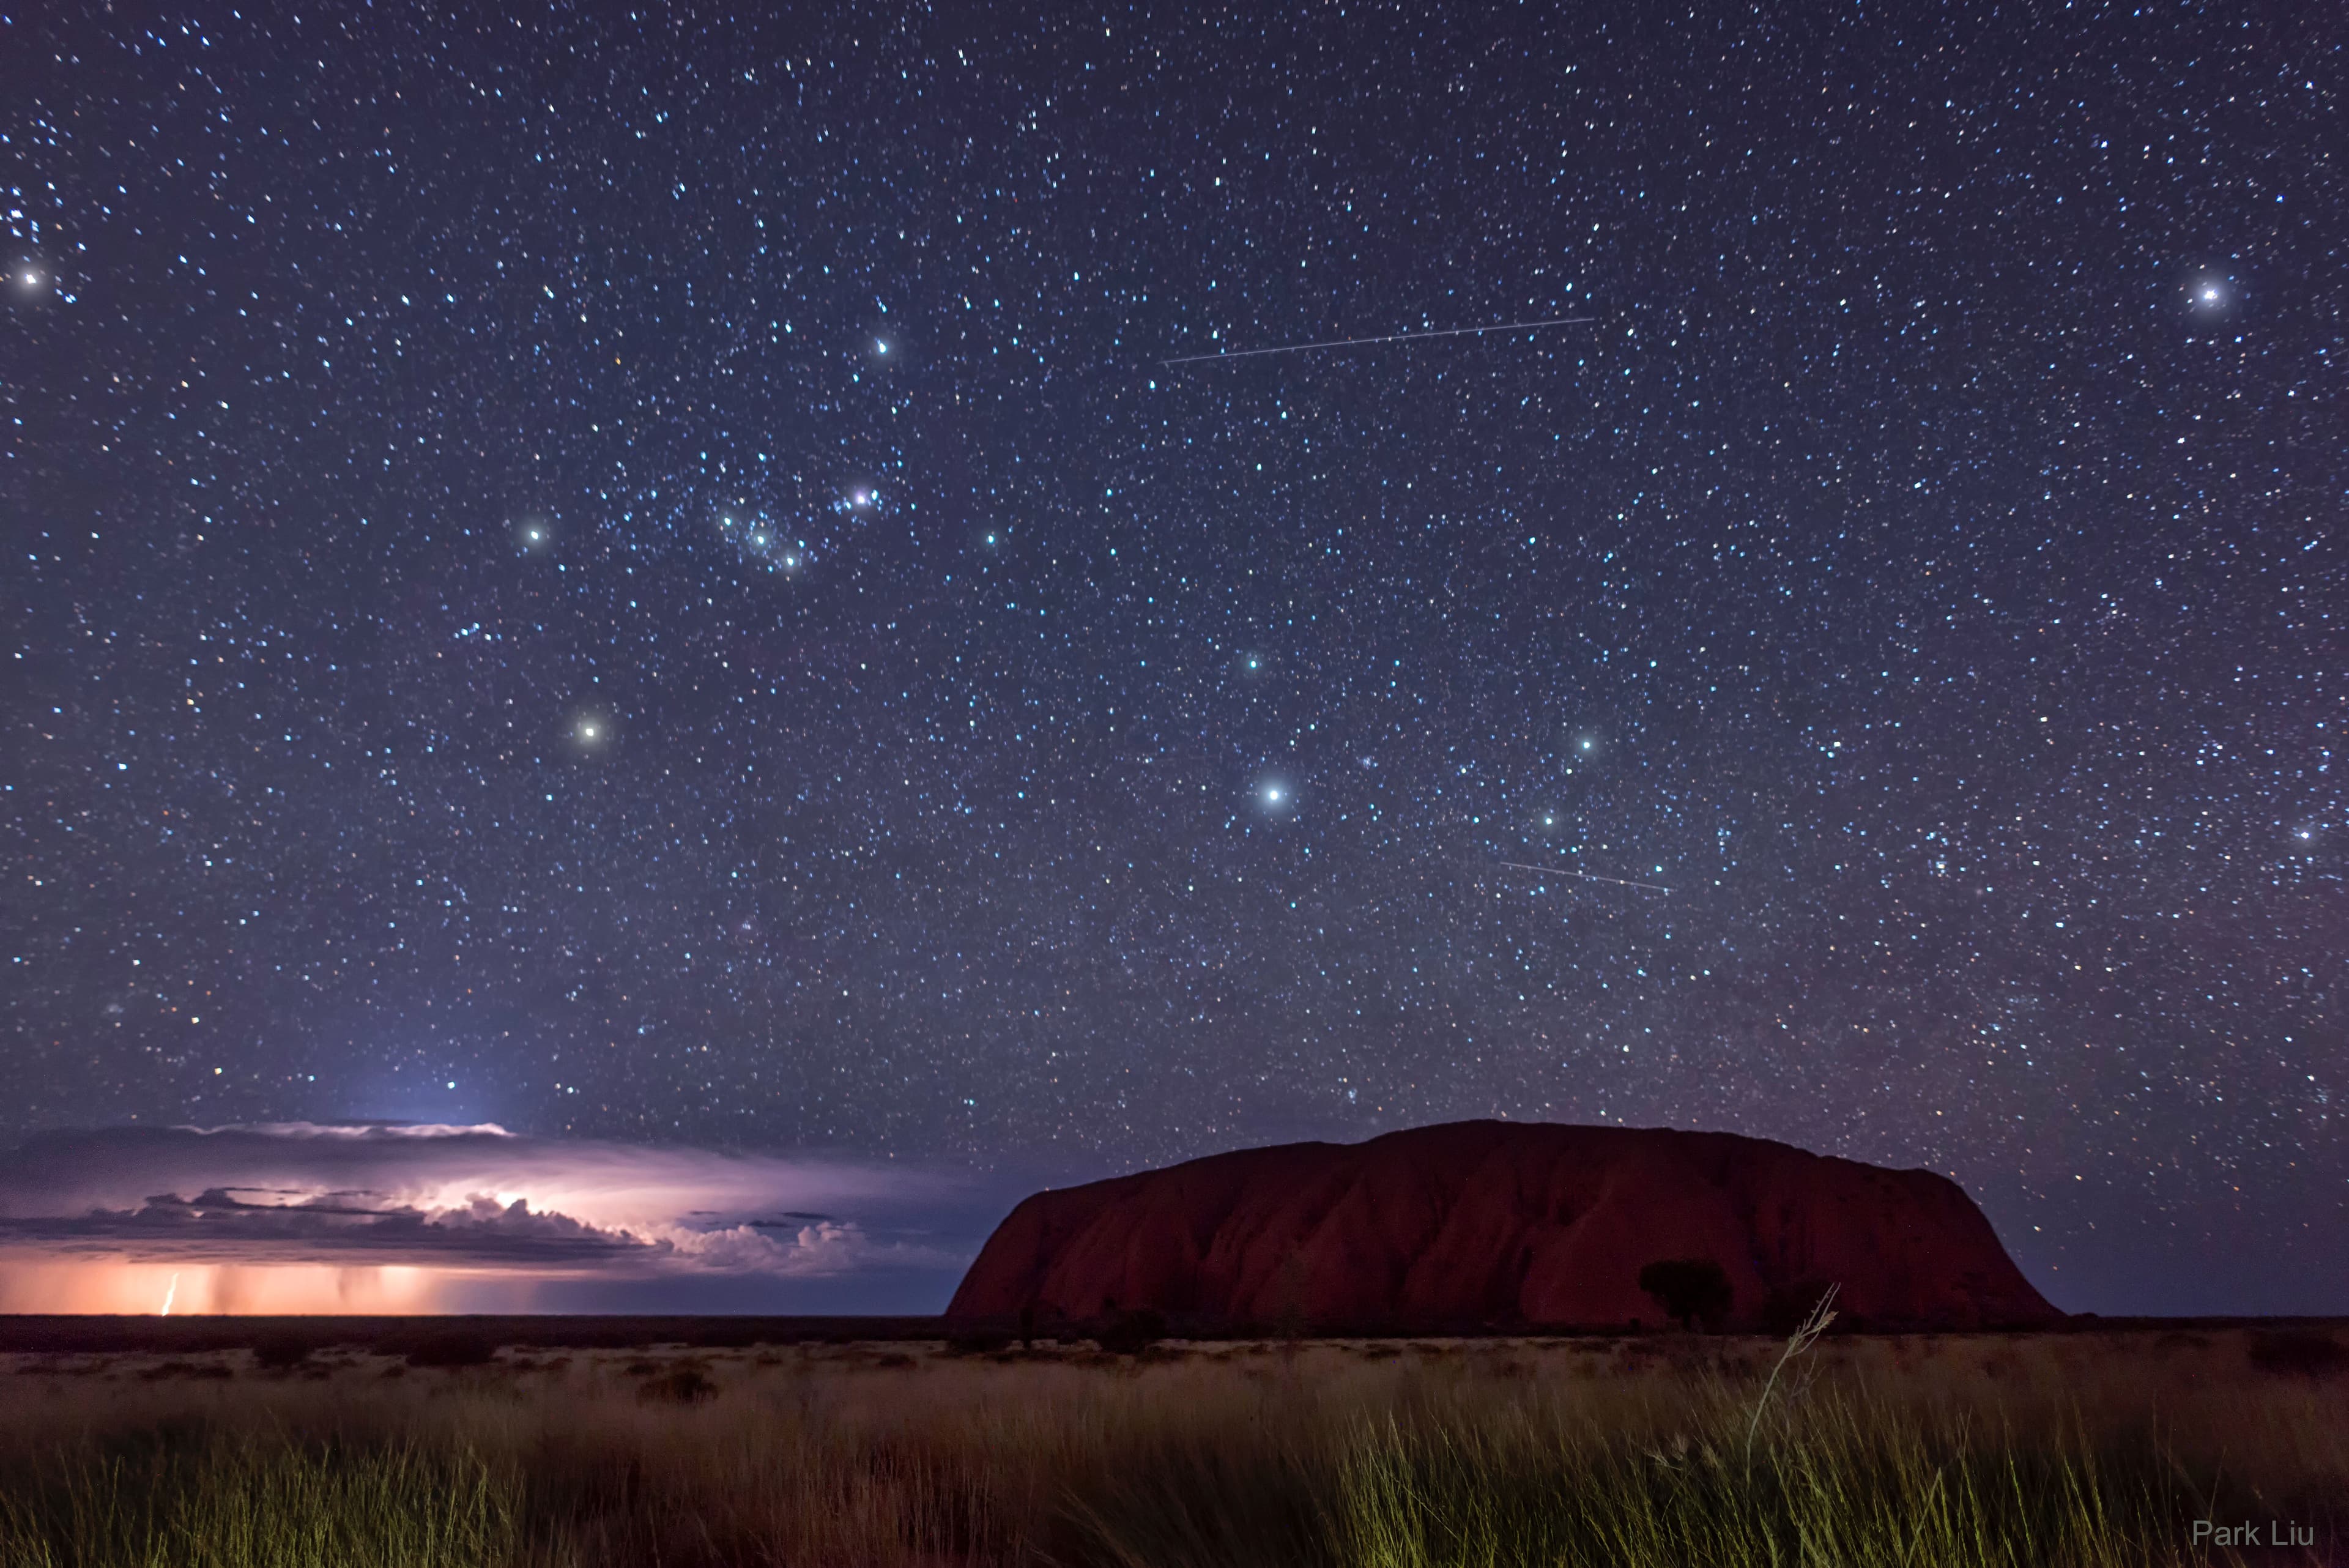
(2298, 1352)
(449, 1347)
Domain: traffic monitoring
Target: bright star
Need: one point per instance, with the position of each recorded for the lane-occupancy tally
(880, 346)
(1273, 794)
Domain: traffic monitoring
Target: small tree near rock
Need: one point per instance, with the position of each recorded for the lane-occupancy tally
(1131, 1332)
(1692, 1289)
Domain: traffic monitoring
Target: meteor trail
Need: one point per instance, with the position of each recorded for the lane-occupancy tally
(1391, 337)
(1585, 876)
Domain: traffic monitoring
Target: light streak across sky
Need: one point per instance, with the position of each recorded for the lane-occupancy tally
(1585, 876)
(1390, 337)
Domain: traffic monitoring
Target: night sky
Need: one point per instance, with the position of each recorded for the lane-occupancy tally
(642, 576)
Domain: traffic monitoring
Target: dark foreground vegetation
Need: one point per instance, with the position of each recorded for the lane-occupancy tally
(2087, 1448)
(89, 1334)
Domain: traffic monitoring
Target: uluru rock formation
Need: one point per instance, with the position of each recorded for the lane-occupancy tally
(1499, 1224)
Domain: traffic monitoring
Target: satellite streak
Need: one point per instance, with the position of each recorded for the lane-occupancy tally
(1585, 875)
(1391, 337)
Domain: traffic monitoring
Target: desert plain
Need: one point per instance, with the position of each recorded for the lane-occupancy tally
(216, 1443)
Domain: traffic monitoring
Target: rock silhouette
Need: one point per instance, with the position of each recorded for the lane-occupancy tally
(1499, 1224)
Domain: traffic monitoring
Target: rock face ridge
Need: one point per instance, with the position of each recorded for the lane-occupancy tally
(1499, 1224)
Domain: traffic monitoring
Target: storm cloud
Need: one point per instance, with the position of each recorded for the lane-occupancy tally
(562, 1217)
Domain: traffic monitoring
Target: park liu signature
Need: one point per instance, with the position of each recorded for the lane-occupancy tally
(2274, 1532)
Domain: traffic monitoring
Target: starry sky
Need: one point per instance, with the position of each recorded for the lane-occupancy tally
(642, 575)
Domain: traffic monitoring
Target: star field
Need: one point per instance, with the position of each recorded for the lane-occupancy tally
(642, 574)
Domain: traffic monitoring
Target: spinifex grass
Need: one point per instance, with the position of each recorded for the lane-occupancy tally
(1845, 1482)
(2064, 1449)
(247, 1500)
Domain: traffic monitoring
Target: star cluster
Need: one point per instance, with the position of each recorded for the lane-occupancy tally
(642, 574)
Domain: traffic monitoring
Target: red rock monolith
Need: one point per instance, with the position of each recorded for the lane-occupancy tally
(1499, 1225)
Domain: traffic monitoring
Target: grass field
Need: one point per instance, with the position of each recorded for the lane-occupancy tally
(2077, 1448)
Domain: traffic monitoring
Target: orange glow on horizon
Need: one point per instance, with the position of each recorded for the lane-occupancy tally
(47, 1282)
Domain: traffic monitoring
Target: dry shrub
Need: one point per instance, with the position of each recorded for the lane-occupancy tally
(2298, 1352)
(687, 1383)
